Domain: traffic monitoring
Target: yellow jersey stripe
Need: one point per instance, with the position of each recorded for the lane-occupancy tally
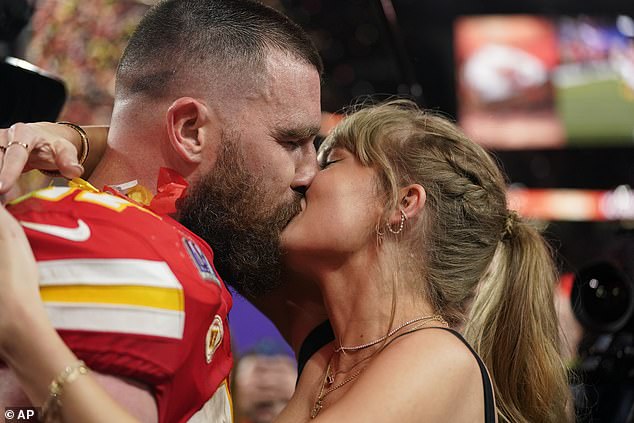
(142, 296)
(49, 194)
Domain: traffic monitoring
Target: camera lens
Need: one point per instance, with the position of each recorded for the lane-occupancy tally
(602, 297)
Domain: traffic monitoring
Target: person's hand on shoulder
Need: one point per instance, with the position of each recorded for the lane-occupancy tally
(41, 145)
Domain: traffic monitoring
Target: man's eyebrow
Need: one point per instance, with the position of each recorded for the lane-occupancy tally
(298, 133)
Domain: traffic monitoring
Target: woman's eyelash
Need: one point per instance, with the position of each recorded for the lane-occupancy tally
(324, 164)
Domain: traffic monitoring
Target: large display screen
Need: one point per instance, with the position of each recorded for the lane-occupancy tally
(546, 82)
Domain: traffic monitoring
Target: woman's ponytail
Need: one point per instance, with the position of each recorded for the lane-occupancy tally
(513, 325)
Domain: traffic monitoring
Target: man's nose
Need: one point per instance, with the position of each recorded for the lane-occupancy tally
(305, 169)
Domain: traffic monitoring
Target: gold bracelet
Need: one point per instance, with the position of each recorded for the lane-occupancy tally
(85, 148)
(53, 404)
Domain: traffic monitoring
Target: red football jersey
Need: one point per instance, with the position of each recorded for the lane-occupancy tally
(134, 295)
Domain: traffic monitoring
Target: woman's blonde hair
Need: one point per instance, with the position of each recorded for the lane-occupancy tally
(468, 242)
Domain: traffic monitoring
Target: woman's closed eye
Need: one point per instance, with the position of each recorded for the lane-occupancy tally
(323, 164)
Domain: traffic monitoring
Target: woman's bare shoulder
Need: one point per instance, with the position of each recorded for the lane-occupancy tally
(428, 375)
(435, 353)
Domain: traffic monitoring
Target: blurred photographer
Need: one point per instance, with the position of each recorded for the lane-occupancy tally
(603, 302)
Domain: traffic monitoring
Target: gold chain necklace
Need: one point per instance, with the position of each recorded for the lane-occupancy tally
(319, 403)
(436, 317)
(329, 378)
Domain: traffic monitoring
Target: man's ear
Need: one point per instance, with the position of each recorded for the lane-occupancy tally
(411, 202)
(186, 118)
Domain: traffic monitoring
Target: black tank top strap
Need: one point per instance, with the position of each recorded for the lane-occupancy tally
(489, 403)
(316, 339)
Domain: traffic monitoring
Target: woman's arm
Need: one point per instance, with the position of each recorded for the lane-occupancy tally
(49, 146)
(29, 344)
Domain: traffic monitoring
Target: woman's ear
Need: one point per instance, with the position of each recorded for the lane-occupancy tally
(411, 202)
(186, 118)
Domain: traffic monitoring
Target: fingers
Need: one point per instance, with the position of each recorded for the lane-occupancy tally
(16, 154)
(47, 147)
(13, 156)
(66, 161)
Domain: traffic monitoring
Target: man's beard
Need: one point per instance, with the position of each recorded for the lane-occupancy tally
(230, 209)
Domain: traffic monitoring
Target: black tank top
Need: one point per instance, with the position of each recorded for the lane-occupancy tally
(316, 339)
(323, 335)
(489, 403)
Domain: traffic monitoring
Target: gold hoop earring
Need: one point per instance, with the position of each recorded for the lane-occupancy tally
(400, 226)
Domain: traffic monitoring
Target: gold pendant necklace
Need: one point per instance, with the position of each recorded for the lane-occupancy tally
(329, 378)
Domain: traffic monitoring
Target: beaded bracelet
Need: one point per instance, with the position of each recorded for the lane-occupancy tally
(53, 404)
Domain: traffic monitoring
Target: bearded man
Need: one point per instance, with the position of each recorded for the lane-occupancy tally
(226, 94)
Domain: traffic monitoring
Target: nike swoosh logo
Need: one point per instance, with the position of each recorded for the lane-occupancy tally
(79, 234)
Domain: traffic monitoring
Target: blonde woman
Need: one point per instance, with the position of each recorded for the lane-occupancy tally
(407, 232)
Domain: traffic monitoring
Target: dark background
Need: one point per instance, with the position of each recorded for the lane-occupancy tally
(365, 52)
(380, 48)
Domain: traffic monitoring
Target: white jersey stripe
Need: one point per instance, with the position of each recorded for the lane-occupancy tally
(107, 272)
(217, 409)
(117, 319)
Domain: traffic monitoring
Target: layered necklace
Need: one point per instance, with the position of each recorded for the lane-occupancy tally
(328, 383)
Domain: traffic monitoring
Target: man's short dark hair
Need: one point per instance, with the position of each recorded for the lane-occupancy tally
(209, 39)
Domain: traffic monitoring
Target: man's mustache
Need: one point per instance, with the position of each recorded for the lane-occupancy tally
(288, 211)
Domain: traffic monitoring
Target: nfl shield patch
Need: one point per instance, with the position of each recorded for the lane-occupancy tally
(200, 261)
